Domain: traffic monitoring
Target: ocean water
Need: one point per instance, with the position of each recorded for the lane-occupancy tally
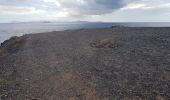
(18, 29)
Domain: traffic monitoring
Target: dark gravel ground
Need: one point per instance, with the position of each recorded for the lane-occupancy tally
(63, 66)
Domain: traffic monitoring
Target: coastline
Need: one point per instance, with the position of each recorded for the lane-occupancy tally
(63, 65)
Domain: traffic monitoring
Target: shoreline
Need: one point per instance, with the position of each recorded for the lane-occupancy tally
(115, 26)
(125, 63)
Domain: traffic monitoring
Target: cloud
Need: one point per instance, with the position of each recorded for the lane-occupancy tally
(136, 6)
(86, 10)
(86, 7)
(146, 6)
(14, 10)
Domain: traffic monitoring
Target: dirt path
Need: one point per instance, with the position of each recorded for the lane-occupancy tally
(63, 66)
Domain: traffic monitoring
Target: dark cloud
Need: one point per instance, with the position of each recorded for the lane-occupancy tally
(112, 4)
(73, 7)
(90, 7)
(103, 6)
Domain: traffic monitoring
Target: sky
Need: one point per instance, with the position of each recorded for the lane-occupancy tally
(85, 10)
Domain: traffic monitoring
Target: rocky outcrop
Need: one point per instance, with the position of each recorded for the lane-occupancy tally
(11, 45)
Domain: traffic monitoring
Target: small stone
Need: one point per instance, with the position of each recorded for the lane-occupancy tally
(26, 79)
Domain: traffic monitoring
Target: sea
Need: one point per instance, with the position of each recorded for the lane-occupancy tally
(8, 30)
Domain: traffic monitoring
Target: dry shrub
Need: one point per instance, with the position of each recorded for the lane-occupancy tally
(12, 44)
(3, 51)
(90, 94)
(17, 40)
(73, 98)
(132, 98)
(2, 81)
(67, 76)
(105, 43)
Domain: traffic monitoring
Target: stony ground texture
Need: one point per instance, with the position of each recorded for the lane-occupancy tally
(64, 66)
